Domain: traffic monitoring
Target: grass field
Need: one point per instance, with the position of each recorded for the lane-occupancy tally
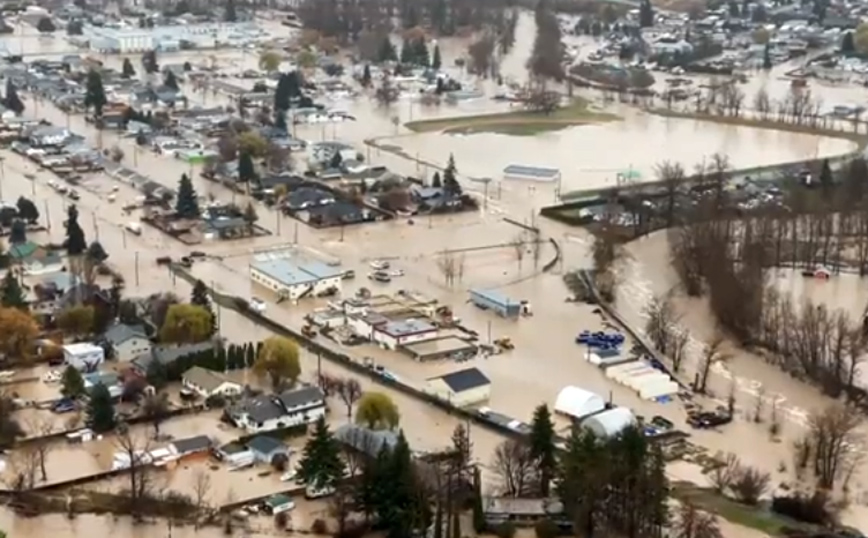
(519, 122)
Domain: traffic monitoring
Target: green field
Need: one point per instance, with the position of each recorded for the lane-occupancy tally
(518, 123)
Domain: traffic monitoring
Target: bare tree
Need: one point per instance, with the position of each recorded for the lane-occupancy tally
(201, 487)
(750, 484)
(447, 265)
(460, 267)
(672, 176)
(156, 409)
(134, 447)
(517, 244)
(42, 428)
(23, 465)
(349, 391)
(725, 471)
(762, 104)
(832, 442)
(514, 466)
(694, 523)
(660, 318)
(710, 355)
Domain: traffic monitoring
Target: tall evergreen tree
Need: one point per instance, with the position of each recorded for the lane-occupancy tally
(75, 243)
(187, 203)
(366, 76)
(100, 409)
(646, 14)
(767, 57)
(387, 51)
(321, 465)
(230, 14)
(200, 297)
(94, 95)
(128, 70)
(542, 447)
(18, 232)
(450, 178)
(402, 509)
(11, 292)
(436, 61)
(826, 180)
(12, 101)
(171, 81)
(246, 167)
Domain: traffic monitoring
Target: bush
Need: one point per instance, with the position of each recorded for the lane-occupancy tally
(546, 528)
(505, 530)
(750, 484)
(281, 520)
(808, 509)
(319, 526)
(215, 401)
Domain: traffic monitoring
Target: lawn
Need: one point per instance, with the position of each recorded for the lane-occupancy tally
(519, 122)
(755, 517)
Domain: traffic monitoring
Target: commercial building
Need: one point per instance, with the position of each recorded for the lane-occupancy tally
(170, 38)
(83, 356)
(531, 173)
(462, 388)
(394, 334)
(293, 278)
(497, 302)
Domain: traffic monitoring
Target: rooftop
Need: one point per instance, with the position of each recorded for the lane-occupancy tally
(464, 380)
(81, 347)
(406, 327)
(294, 271)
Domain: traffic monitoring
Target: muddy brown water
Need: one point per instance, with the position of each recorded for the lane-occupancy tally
(545, 358)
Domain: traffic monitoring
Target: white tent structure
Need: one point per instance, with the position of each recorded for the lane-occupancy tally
(610, 423)
(577, 403)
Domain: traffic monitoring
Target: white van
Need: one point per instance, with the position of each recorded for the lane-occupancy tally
(257, 305)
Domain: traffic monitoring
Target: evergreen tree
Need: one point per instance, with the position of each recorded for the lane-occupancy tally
(201, 298)
(407, 53)
(646, 14)
(149, 62)
(128, 70)
(18, 232)
(542, 447)
(387, 51)
(100, 409)
(280, 121)
(401, 508)
(96, 253)
(826, 179)
(27, 210)
(94, 96)
(321, 465)
(336, 161)
(75, 243)
(46, 25)
(229, 14)
(847, 45)
(436, 182)
(246, 167)
(420, 53)
(12, 101)
(72, 383)
(11, 292)
(767, 58)
(436, 61)
(450, 178)
(187, 203)
(171, 81)
(74, 27)
(366, 76)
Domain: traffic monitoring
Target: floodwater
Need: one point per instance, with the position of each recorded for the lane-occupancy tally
(545, 358)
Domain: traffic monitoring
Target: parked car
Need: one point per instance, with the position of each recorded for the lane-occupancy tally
(64, 405)
(257, 305)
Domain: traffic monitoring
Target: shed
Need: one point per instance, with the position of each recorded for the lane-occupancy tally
(265, 449)
(279, 503)
(578, 403)
(462, 388)
(611, 422)
(200, 444)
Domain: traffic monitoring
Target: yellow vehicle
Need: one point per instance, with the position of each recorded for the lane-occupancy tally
(504, 343)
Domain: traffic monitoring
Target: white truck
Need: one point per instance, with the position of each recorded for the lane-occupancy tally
(134, 227)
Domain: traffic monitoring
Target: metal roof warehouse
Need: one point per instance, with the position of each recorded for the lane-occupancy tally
(294, 278)
(531, 173)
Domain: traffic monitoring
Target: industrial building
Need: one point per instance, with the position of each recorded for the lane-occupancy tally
(497, 302)
(294, 278)
(169, 38)
(462, 388)
(517, 172)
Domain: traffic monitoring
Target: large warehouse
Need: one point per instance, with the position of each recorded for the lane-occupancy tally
(293, 278)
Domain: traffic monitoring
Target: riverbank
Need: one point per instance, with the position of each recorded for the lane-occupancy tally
(518, 122)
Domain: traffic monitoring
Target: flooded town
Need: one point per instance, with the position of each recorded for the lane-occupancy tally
(448, 269)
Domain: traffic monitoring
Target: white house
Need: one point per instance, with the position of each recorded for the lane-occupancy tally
(293, 279)
(83, 356)
(462, 388)
(394, 334)
(127, 341)
(274, 412)
(209, 383)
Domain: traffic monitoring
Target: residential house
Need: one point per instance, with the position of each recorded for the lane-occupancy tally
(207, 383)
(126, 342)
(521, 511)
(434, 198)
(273, 412)
(191, 446)
(166, 355)
(338, 213)
(48, 136)
(109, 380)
(46, 295)
(265, 449)
(364, 440)
(461, 388)
(34, 259)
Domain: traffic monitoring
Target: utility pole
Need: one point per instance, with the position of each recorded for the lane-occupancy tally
(137, 268)
(295, 234)
(47, 215)
(95, 227)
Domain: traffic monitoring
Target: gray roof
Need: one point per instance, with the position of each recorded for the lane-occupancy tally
(169, 354)
(270, 407)
(208, 380)
(200, 443)
(365, 440)
(266, 445)
(119, 333)
(463, 380)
